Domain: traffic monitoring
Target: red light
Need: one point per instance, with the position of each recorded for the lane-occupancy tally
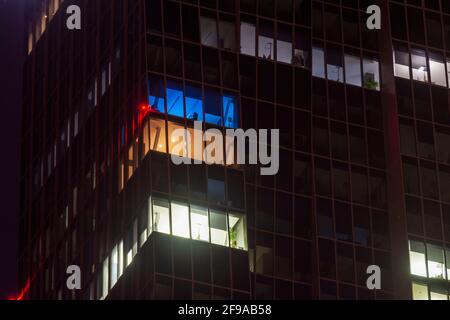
(23, 292)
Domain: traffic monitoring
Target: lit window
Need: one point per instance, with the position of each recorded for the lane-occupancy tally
(417, 258)
(438, 293)
(194, 104)
(230, 112)
(209, 31)
(114, 265)
(419, 65)
(105, 279)
(352, 70)
(318, 57)
(212, 107)
(175, 105)
(237, 231)
(158, 135)
(420, 291)
(401, 63)
(180, 220)
(371, 69)
(335, 68)
(199, 223)
(177, 140)
(248, 35)
(266, 43)
(145, 140)
(284, 45)
(156, 93)
(219, 228)
(161, 218)
(435, 262)
(150, 217)
(120, 266)
(437, 70)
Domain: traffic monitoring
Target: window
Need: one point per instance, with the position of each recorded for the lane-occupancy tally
(352, 70)
(230, 112)
(248, 35)
(420, 291)
(401, 63)
(158, 135)
(194, 104)
(180, 219)
(435, 262)
(114, 265)
(105, 279)
(219, 228)
(175, 103)
(227, 35)
(237, 231)
(417, 258)
(199, 223)
(335, 68)
(318, 57)
(266, 43)
(371, 71)
(156, 93)
(209, 31)
(437, 70)
(284, 44)
(161, 218)
(419, 65)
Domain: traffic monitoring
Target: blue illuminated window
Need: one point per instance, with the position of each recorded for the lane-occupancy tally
(175, 105)
(230, 112)
(215, 108)
(194, 104)
(213, 114)
(156, 93)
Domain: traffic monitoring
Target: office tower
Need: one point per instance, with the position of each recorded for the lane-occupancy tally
(364, 138)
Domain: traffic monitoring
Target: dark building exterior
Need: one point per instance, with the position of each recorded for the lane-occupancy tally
(364, 175)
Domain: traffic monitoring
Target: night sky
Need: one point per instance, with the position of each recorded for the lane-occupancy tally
(11, 62)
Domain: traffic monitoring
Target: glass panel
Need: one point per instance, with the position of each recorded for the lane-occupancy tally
(353, 70)
(237, 231)
(437, 70)
(199, 223)
(158, 135)
(114, 265)
(175, 100)
(212, 107)
(219, 233)
(435, 260)
(209, 31)
(178, 141)
(420, 291)
(401, 64)
(371, 71)
(194, 104)
(266, 43)
(180, 220)
(417, 258)
(105, 281)
(419, 65)
(318, 57)
(156, 96)
(248, 34)
(230, 112)
(161, 219)
(227, 38)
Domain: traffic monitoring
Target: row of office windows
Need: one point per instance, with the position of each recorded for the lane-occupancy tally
(349, 68)
(179, 219)
(419, 66)
(193, 103)
(73, 124)
(156, 136)
(45, 13)
(429, 261)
